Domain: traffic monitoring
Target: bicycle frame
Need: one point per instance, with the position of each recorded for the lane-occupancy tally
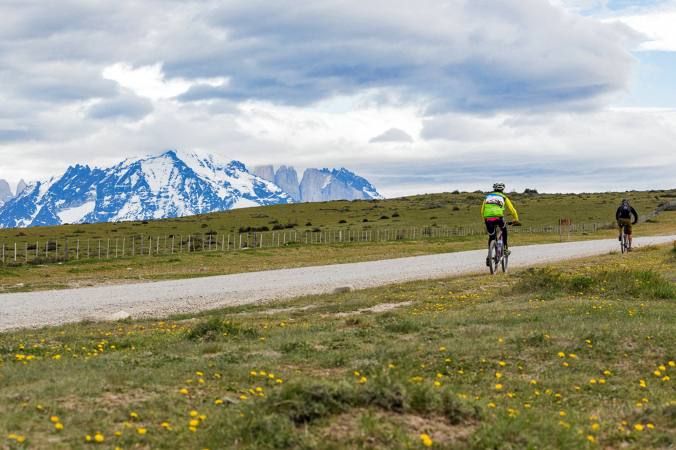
(496, 253)
(624, 239)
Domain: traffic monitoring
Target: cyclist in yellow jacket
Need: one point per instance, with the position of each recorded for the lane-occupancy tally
(493, 213)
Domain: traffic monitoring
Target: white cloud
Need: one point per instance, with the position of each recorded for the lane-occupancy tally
(659, 27)
(150, 81)
(504, 83)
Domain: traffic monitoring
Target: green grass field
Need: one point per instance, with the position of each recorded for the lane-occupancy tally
(440, 209)
(576, 355)
(461, 209)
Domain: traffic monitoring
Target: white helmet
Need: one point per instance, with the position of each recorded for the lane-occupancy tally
(499, 187)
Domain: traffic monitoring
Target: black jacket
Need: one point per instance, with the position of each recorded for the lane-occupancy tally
(623, 213)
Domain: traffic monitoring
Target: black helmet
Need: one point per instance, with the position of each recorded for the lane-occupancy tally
(499, 187)
(625, 201)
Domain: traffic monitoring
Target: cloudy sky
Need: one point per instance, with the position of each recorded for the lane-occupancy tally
(426, 96)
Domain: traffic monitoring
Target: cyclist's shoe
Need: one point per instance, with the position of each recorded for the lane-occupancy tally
(508, 252)
(619, 238)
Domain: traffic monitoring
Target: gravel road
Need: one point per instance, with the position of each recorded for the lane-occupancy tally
(157, 299)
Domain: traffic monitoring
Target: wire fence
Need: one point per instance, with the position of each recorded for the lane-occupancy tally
(68, 249)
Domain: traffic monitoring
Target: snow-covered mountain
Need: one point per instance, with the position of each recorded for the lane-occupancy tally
(171, 184)
(166, 185)
(320, 185)
(5, 192)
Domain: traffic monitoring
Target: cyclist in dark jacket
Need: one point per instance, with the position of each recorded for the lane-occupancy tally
(623, 217)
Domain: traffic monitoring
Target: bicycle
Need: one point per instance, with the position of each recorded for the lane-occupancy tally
(496, 252)
(624, 239)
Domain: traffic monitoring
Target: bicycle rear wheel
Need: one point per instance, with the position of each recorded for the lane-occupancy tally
(493, 257)
(504, 262)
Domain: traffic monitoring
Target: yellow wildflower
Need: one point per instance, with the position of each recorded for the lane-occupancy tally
(426, 440)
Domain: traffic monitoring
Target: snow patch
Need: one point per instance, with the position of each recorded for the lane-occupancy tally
(77, 213)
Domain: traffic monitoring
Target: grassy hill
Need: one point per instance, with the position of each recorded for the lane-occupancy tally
(577, 355)
(454, 209)
(438, 210)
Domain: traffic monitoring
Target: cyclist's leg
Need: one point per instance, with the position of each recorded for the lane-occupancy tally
(490, 228)
(628, 230)
(620, 226)
(503, 225)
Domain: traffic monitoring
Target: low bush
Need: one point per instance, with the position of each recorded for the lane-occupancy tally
(214, 327)
(303, 403)
(633, 283)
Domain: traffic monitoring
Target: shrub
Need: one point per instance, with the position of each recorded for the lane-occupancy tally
(342, 221)
(303, 403)
(253, 229)
(621, 282)
(214, 327)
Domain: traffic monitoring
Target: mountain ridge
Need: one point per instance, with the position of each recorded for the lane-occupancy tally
(170, 184)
